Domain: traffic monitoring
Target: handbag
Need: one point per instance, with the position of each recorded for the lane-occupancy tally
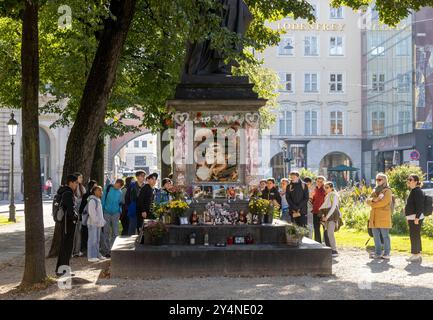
(296, 213)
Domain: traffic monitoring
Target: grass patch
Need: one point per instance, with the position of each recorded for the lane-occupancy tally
(4, 221)
(399, 243)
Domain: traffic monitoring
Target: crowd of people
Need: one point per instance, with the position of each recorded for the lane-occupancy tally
(315, 205)
(306, 203)
(92, 213)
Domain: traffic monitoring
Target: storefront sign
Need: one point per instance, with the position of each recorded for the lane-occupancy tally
(293, 26)
(385, 144)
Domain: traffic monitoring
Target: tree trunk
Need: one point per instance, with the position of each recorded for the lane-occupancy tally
(83, 138)
(97, 172)
(34, 267)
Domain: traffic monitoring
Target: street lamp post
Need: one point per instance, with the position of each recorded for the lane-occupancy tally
(12, 127)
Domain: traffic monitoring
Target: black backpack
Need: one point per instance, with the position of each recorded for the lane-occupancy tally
(428, 205)
(57, 211)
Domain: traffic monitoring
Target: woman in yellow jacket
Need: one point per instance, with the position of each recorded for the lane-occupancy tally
(380, 216)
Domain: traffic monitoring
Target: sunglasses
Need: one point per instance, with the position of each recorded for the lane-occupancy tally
(379, 179)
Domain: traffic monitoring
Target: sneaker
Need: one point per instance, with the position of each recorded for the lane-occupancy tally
(386, 257)
(102, 258)
(334, 253)
(414, 258)
(93, 260)
(375, 256)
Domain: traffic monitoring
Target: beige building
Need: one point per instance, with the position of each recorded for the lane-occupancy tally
(319, 65)
(138, 154)
(52, 148)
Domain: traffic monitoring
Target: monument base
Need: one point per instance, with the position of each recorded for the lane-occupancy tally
(131, 260)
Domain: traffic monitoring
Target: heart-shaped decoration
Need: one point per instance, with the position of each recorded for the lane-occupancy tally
(252, 118)
(203, 173)
(229, 133)
(180, 118)
(217, 119)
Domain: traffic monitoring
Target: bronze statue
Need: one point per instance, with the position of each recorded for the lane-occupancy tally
(201, 59)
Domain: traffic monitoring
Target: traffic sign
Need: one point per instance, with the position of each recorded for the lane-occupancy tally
(414, 155)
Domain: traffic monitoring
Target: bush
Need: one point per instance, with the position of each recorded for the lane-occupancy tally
(427, 227)
(356, 216)
(397, 177)
(399, 222)
(304, 173)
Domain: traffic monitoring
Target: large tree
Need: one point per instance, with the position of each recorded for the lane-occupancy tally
(34, 268)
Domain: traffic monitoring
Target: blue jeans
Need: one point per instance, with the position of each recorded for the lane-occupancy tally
(93, 241)
(132, 225)
(285, 215)
(110, 232)
(378, 243)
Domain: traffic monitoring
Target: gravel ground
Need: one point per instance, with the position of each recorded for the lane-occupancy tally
(355, 276)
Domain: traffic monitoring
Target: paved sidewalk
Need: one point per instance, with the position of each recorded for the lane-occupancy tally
(12, 236)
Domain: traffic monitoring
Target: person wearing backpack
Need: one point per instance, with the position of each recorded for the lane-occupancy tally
(111, 206)
(95, 222)
(131, 197)
(78, 193)
(331, 215)
(380, 220)
(84, 230)
(67, 221)
(414, 211)
(297, 196)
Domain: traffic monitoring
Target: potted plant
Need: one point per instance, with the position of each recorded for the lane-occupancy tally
(154, 231)
(177, 209)
(294, 234)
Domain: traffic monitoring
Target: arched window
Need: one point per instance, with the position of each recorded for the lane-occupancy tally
(336, 119)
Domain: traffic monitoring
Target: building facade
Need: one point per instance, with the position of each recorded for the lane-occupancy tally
(52, 149)
(397, 96)
(319, 119)
(138, 154)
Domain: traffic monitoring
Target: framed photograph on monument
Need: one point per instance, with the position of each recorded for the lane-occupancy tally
(184, 220)
(216, 154)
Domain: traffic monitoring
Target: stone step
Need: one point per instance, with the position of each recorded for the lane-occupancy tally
(131, 260)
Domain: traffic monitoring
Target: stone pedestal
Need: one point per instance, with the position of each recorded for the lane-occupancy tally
(129, 260)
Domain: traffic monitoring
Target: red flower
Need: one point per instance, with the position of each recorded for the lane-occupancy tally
(203, 125)
(168, 122)
(198, 114)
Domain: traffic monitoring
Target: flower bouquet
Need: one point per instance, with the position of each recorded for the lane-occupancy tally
(162, 212)
(154, 231)
(259, 207)
(177, 209)
(294, 234)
